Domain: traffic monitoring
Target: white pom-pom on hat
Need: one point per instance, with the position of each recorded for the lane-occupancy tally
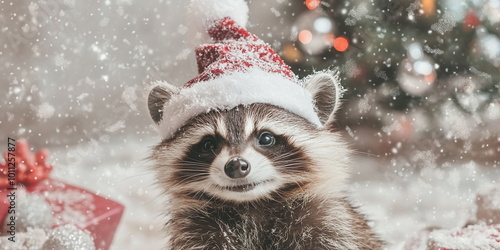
(206, 11)
(202, 14)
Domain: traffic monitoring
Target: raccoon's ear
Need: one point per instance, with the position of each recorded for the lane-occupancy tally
(158, 95)
(326, 92)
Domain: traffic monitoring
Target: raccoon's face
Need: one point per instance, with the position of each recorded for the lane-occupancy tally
(250, 153)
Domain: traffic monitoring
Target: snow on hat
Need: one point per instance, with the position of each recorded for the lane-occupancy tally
(237, 68)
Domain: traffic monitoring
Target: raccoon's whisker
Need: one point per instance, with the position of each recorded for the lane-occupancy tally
(157, 197)
(190, 177)
(286, 157)
(285, 161)
(280, 196)
(201, 191)
(287, 154)
(293, 171)
(292, 167)
(364, 153)
(190, 159)
(190, 167)
(191, 170)
(211, 185)
(185, 180)
(261, 161)
(198, 193)
(134, 175)
(193, 163)
(283, 156)
(290, 164)
(298, 183)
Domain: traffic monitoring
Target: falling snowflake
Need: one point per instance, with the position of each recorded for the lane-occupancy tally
(45, 110)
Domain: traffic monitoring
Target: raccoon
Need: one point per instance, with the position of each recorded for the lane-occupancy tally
(258, 176)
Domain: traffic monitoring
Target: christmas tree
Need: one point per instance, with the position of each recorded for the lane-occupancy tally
(413, 69)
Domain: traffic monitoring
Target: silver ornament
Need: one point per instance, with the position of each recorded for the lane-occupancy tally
(68, 237)
(417, 73)
(314, 31)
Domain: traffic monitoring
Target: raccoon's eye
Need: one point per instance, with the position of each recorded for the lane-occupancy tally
(208, 144)
(266, 139)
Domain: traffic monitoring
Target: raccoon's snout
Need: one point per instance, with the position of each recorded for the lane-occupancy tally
(237, 167)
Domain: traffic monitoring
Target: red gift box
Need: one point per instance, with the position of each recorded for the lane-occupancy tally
(68, 204)
(77, 206)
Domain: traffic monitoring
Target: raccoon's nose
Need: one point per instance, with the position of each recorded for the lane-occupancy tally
(237, 167)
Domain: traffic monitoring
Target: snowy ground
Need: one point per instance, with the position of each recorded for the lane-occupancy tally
(399, 202)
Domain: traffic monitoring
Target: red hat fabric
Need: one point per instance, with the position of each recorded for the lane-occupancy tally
(236, 68)
(235, 49)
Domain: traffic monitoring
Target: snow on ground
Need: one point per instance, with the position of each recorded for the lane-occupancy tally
(399, 203)
(402, 204)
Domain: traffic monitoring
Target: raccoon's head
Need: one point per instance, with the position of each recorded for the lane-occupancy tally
(252, 152)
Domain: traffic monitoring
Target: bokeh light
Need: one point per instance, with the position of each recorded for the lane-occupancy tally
(312, 4)
(341, 43)
(323, 25)
(305, 36)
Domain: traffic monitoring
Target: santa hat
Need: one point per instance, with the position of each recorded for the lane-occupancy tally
(236, 68)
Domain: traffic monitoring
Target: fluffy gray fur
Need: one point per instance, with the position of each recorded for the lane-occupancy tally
(301, 205)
